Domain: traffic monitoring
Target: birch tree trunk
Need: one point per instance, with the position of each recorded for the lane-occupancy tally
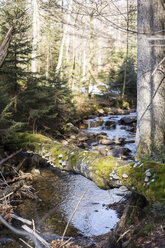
(150, 137)
(65, 39)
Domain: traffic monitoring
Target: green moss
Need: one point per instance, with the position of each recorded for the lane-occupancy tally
(103, 165)
(154, 190)
(100, 167)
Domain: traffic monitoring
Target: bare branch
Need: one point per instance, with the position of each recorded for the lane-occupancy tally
(11, 156)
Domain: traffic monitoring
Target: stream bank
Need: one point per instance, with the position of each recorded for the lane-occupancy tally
(136, 172)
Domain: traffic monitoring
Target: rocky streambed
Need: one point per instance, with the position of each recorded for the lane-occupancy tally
(59, 192)
(112, 135)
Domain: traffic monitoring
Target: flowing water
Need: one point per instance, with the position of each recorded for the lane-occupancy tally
(120, 131)
(59, 193)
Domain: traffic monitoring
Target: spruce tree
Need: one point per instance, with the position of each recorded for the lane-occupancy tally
(15, 67)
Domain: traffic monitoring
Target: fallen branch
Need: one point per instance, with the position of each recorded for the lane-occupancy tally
(20, 232)
(122, 236)
(11, 156)
(25, 221)
(38, 237)
(3, 198)
(11, 189)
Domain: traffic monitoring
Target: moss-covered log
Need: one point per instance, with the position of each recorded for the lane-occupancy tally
(146, 178)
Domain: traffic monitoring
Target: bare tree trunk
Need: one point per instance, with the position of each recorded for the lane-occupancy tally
(68, 30)
(35, 35)
(126, 58)
(61, 52)
(84, 61)
(150, 137)
(65, 40)
(4, 46)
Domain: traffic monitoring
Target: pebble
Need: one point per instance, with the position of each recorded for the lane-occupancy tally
(60, 156)
(64, 163)
(135, 165)
(123, 188)
(35, 172)
(125, 175)
(116, 177)
(146, 179)
(148, 174)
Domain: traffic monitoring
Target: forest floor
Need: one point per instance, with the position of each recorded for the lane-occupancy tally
(139, 227)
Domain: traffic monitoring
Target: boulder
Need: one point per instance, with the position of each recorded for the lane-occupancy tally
(119, 141)
(128, 120)
(82, 138)
(83, 126)
(70, 128)
(106, 142)
(118, 152)
(101, 136)
(96, 123)
(109, 125)
(101, 151)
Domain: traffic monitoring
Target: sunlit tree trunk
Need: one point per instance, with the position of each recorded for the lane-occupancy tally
(68, 29)
(84, 58)
(126, 57)
(35, 27)
(150, 137)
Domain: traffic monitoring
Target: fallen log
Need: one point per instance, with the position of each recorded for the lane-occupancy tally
(143, 177)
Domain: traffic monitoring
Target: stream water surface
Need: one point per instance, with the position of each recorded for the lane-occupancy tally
(59, 193)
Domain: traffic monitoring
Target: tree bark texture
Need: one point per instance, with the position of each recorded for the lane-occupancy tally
(150, 137)
(36, 27)
(4, 46)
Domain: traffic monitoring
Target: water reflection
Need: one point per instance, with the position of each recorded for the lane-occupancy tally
(59, 193)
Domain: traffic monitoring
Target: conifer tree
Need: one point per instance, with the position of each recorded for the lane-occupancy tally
(15, 67)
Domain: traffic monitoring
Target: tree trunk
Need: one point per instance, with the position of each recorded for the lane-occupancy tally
(150, 137)
(4, 46)
(35, 35)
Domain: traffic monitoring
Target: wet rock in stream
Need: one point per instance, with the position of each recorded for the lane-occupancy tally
(118, 138)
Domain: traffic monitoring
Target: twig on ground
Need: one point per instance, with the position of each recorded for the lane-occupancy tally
(122, 236)
(3, 198)
(25, 221)
(72, 216)
(5, 182)
(66, 242)
(37, 236)
(25, 243)
(11, 156)
(20, 232)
